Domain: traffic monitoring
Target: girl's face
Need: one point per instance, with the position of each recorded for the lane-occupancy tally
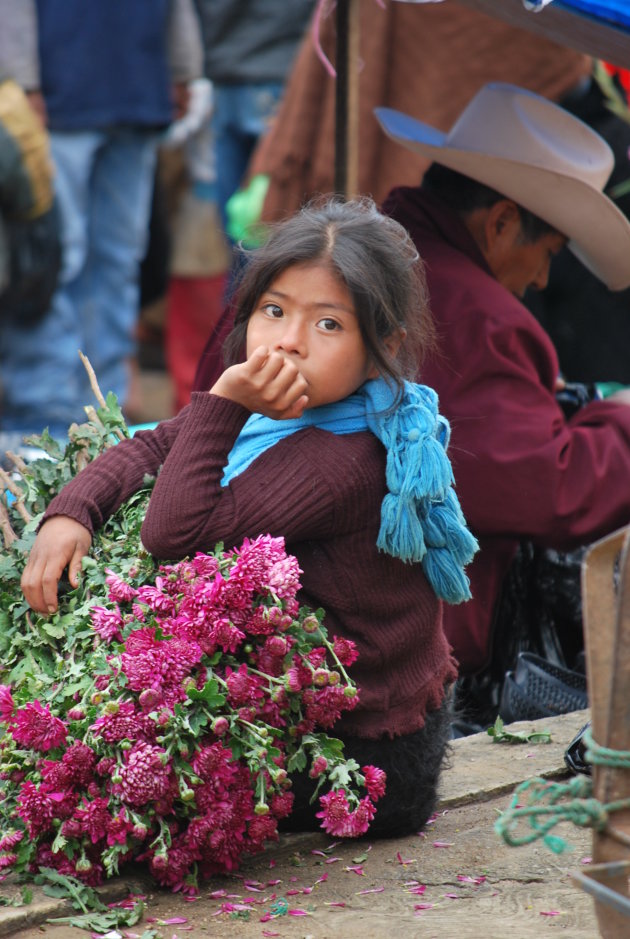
(307, 314)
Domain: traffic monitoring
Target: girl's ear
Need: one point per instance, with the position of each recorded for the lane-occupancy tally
(392, 344)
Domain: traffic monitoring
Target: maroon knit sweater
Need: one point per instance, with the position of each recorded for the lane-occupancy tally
(322, 492)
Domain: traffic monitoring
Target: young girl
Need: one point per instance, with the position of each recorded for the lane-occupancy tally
(313, 434)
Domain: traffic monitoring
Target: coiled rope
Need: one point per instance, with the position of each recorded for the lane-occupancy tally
(545, 804)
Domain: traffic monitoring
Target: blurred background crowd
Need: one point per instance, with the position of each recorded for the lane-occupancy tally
(139, 141)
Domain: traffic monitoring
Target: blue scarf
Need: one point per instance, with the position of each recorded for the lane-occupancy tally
(421, 519)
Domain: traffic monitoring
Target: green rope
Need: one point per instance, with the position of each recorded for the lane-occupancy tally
(545, 804)
(604, 756)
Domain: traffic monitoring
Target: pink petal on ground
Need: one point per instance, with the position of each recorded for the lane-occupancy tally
(268, 934)
(550, 913)
(334, 903)
(355, 870)
(370, 890)
(418, 889)
(402, 860)
(470, 880)
(173, 921)
(322, 879)
(423, 906)
(442, 844)
(272, 863)
(586, 860)
(332, 860)
(298, 912)
(452, 896)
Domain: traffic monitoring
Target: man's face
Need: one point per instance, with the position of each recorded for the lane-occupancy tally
(518, 264)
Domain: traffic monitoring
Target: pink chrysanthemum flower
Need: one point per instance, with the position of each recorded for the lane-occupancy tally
(244, 688)
(325, 705)
(145, 778)
(375, 780)
(225, 635)
(156, 598)
(7, 704)
(338, 820)
(345, 650)
(125, 724)
(119, 590)
(35, 727)
(260, 829)
(159, 664)
(10, 840)
(94, 819)
(282, 803)
(214, 763)
(35, 809)
(107, 623)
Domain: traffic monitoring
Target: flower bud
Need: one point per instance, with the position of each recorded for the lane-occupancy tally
(112, 707)
(220, 726)
(261, 809)
(75, 714)
(83, 865)
(349, 692)
(320, 677)
(310, 624)
(125, 744)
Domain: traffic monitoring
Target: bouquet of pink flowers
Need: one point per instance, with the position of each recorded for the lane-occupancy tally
(159, 715)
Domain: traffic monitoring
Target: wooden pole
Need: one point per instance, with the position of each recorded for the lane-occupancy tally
(607, 641)
(347, 99)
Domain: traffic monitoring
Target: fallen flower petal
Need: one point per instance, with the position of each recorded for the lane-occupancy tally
(442, 844)
(402, 860)
(418, 889)
(370, 890)
(423, 906)
(550, 913)
(357, 869)
(298, 913)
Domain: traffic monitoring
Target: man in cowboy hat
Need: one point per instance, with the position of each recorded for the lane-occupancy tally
(515, 179)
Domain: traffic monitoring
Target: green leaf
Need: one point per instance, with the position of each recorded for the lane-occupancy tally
(501, 735)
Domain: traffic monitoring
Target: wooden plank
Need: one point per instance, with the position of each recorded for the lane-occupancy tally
(584, 33)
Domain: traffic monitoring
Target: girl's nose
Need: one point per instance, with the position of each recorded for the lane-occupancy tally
(293, 338)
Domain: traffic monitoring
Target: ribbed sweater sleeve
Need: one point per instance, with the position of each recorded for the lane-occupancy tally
(285, 492)
(98, 490)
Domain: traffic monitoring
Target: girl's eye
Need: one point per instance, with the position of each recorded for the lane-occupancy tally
(272, 309)
(329, 325)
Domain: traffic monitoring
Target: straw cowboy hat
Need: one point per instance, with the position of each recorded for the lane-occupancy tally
(536, 153)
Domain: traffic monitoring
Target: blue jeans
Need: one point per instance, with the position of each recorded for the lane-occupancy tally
(104, 182)
(241, 115)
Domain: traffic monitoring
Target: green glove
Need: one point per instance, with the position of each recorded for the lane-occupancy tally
(243, 211)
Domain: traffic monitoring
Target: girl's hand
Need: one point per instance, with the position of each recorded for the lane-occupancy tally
(267, 383)
(61, 542)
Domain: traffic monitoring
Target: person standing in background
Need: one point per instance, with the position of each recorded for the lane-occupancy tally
(106, 77)
(249, 49)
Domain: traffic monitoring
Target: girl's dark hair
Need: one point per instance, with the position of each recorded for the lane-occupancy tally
(463, 195)
(376, 260)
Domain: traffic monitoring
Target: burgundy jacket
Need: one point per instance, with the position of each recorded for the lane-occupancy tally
(522, 470)
(322, 492)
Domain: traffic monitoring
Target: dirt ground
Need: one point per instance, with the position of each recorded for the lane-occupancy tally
(457, 881)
